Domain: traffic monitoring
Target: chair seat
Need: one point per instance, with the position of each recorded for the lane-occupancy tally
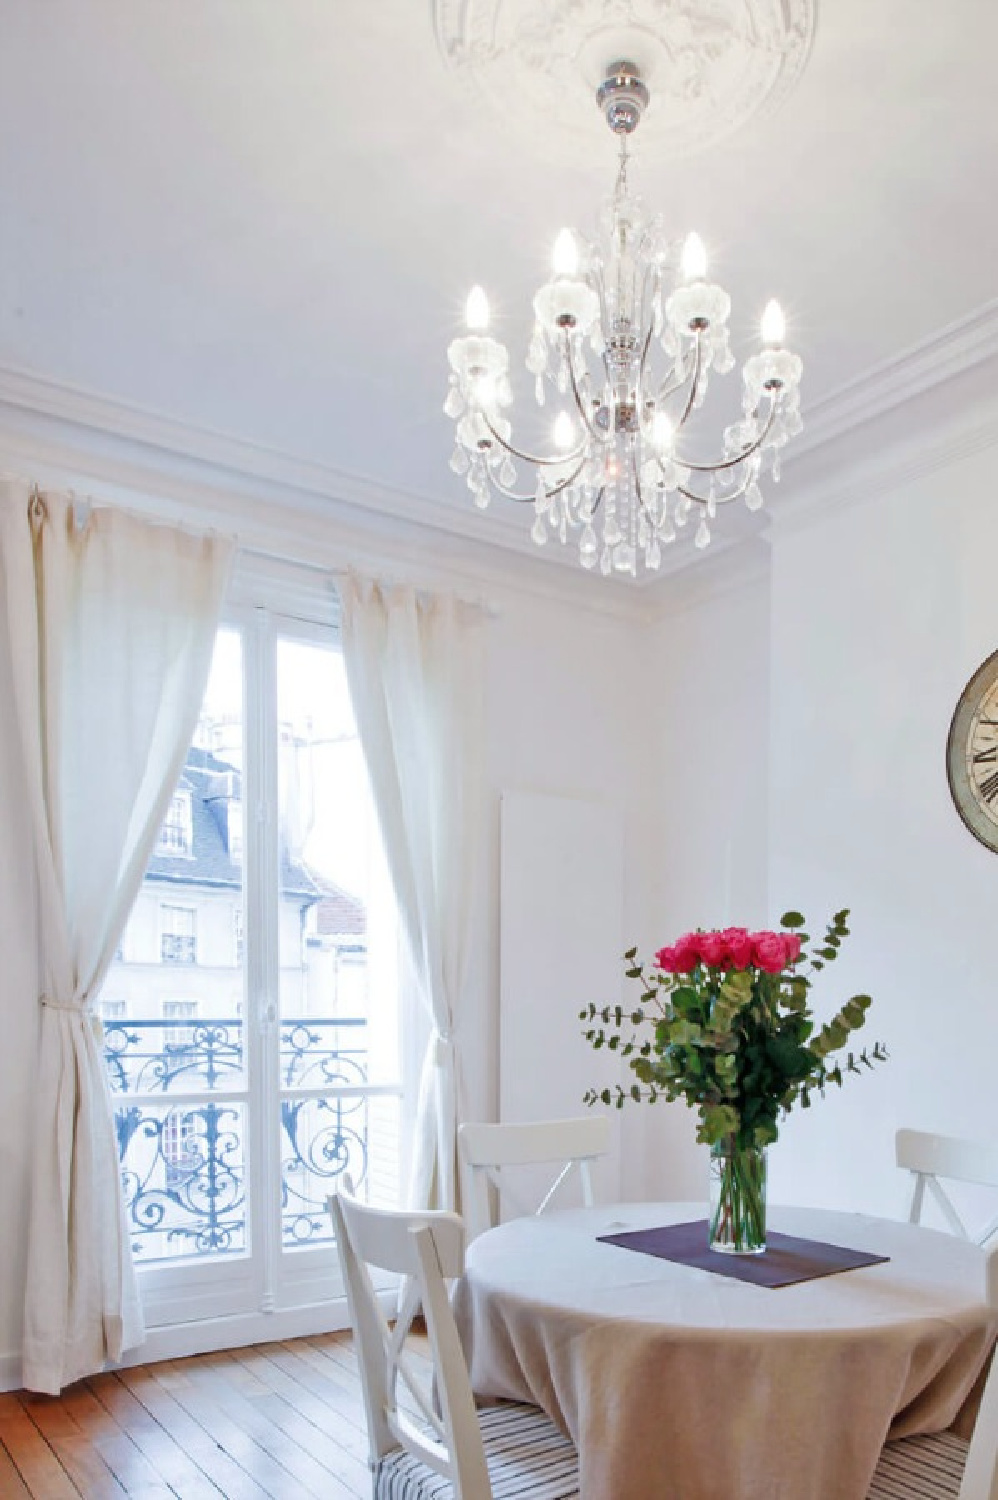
(527, 1457)
(920, 1468)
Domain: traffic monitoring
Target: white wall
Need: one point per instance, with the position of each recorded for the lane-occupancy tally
(803, 710)
(705, 693)
(881, 612)
(564, 696)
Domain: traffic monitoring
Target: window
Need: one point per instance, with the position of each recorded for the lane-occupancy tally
(177, 833)
(179, 1010)
(235, 830)
(178, 935)
(180, 1148)
(114, 1010)
(263, 1055)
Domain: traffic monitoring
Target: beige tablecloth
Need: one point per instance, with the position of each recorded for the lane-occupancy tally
(677, 1384)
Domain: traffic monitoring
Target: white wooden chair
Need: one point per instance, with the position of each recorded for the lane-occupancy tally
(490, 1151)
(941, 1466)
(929, 1157)
(428, 1443)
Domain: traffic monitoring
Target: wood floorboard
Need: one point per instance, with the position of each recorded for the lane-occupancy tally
(270, 1422)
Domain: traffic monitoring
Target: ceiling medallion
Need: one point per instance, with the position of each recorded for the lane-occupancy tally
(627, 333)
(711, 64)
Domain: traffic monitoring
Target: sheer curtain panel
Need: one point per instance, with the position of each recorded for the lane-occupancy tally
(413, 662)
(111, 623)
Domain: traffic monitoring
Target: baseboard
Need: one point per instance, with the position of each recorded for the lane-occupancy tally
(177, 1340)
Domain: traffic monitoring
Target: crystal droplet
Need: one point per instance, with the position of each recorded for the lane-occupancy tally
(538, 532)
(539, 390)
(653, 555)
(454, 405)
(604, 562)
(507, 473)
(702, 538)
(588, 546)
(482, 497)
(459, 460)
(753, 497)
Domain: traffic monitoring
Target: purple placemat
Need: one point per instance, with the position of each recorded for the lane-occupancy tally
(785, 1260)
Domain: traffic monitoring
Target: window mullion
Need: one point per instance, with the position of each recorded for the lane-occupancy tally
(261, 884)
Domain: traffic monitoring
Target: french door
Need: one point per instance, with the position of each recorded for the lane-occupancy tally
(251, 1020)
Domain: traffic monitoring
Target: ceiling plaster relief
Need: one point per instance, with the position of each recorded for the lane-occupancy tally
(711, 65)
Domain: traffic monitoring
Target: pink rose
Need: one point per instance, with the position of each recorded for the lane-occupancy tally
(688, 952)
(713, 949)
(791, 943)
(739, 946)
(665, 958)
(769, 952)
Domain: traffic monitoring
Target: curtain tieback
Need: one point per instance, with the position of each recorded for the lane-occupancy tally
(442, 1047)
(50, 1004)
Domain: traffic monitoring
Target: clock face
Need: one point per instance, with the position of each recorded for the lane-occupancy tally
(972, 754)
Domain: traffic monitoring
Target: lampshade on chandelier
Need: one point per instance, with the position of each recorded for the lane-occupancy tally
(625, 362)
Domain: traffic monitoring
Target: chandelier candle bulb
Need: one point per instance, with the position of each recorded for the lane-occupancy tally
(774, 324)
(564, 432)
(476, 311)
(628, 332)
(694, 259)
(565, 256)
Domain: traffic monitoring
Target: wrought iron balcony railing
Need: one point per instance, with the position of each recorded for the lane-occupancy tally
(182, 1121)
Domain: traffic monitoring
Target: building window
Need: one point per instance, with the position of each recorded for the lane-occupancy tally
(234, 823)
(178, 935)
(177, 833)
(174, 1011)
(114, 1010)
(180, 1149)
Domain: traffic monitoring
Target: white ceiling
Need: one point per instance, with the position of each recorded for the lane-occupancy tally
(261, 217)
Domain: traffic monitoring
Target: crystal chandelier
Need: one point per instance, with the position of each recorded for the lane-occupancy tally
(628, 363)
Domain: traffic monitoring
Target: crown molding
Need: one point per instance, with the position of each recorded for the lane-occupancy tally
(952, 351)
(903, 446)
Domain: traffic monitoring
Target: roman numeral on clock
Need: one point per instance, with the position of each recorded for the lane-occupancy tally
(989, 787)
(983, 755)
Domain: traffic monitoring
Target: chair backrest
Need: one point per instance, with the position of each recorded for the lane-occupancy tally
(980, 1474)
(490, 1150)
(426, 1249)
(929, 1157)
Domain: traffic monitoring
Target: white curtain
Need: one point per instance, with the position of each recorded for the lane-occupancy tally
(413, 664)
(111, 623)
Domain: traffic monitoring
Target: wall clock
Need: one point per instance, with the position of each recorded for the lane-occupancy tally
(972, 754)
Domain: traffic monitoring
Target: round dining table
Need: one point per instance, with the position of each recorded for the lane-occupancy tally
(676, 1383)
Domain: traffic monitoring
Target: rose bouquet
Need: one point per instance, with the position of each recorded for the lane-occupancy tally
(724, 1022)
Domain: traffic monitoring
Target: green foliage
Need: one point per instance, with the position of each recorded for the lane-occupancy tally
(741, 1046)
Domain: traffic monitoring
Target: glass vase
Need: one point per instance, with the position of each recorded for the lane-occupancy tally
(737, 1223)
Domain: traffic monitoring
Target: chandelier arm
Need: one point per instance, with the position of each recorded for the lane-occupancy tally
(694, 383)
(666, 389)
(532, 458)
(737, 458)
(718, 499)
(597, 437)
(530, 499)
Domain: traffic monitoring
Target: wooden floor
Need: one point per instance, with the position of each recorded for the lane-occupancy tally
(279, 1420)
